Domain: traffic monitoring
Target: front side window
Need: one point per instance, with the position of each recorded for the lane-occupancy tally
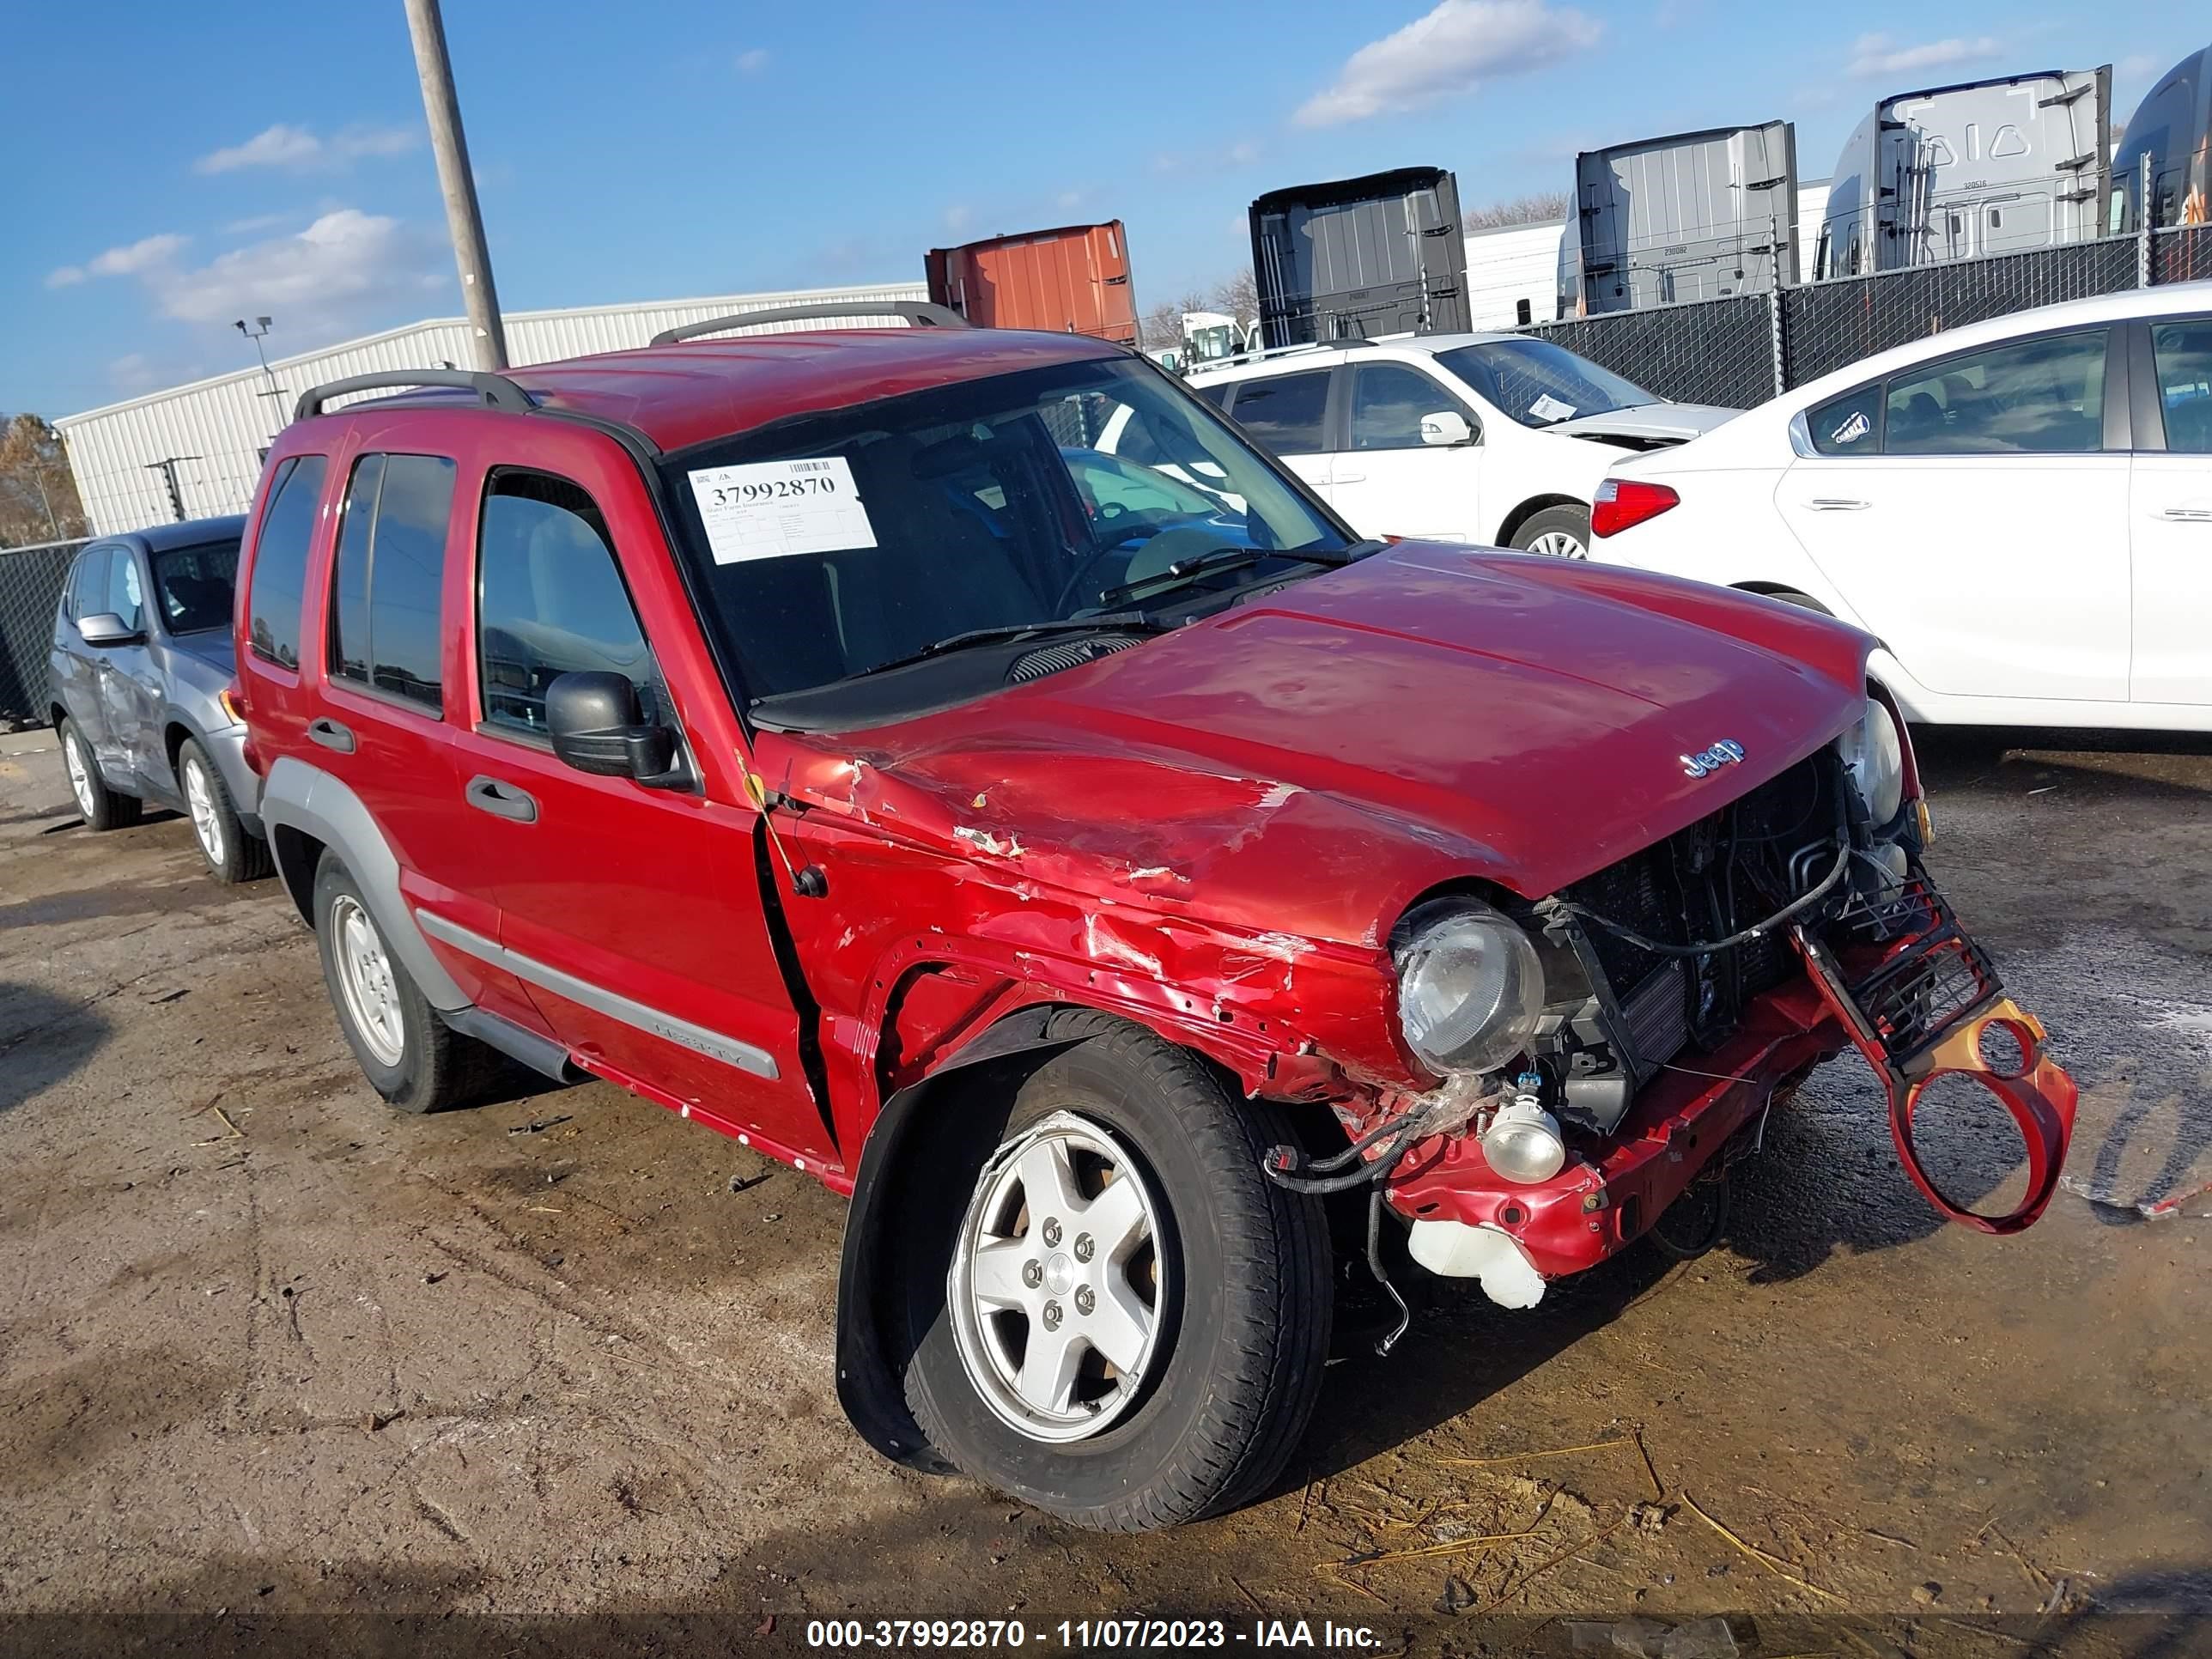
(126, 591)
(2183, 352)
(2043, 397)
(550, 600)
(193, 586)
(1388, 402)
(1538, 384)
(836, 544)
(279, 583)
(391, 570)
(89, 583)
(1285, 412)
(1850, 425)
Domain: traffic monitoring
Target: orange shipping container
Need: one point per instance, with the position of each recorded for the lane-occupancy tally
(1073, 280)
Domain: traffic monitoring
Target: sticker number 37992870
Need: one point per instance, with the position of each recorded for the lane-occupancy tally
(772, 510)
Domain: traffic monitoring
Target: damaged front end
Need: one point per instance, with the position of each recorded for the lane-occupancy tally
(1602, 1048)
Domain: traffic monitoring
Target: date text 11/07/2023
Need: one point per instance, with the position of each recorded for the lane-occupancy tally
(1133, 1635)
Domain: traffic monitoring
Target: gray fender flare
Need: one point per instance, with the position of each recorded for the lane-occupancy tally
(303, 798)
(875, 1338)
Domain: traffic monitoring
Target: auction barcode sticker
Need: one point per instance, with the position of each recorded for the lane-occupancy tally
(772, 509)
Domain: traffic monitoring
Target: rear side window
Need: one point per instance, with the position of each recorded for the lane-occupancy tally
(1284, 414)
(1218, 394)
(2043, 397)
(1852, 425)
(391, 570)
(280, 561)
(2183, 355)
(550, 600)
(87, 589)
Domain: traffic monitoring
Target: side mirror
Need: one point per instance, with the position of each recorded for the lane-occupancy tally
(598, 726)
(106, 628)
(1446, 429)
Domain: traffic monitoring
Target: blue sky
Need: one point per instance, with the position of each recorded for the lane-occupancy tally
(198, 162)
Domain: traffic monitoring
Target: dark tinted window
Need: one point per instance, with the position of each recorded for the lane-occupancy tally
(1284, 414)
(2042, 397)
(1218, 394)
(126, 590)
(1388, 402)
(550, 599)
(350, 581)
(89, 583)
(2184, 353)
(280, 560)
(193, 586)
(1852, 425)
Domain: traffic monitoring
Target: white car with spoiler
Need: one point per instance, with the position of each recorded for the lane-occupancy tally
(1495, 438)
(2020, 510)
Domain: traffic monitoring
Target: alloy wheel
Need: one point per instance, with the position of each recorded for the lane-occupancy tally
(1058, 1284)
(80, 776)
(207, 815)
(1558, 545)
(365, 977)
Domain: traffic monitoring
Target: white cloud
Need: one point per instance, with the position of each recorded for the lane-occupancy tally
(752, 62)
(1882, 54)
(146, 254)
(133, 371)
(1447, 53)
(298, 149)
(258, 222)
(65, 277)
(958, 217)
(2139, 65)
(345, 264)
(1241, 154)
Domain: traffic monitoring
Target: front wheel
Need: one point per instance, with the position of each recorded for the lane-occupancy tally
(1125, 1321)
(1562, 532)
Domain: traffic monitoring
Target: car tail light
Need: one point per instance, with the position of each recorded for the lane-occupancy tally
(1621, 502)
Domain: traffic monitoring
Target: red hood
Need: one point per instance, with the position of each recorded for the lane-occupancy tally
(1307, 762)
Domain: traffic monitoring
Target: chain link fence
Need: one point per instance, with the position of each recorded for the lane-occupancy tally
(30, 587)
(1742, 350)
(1699, 351)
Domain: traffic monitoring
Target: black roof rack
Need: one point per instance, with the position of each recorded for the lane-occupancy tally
(494, 391)
(920, 315)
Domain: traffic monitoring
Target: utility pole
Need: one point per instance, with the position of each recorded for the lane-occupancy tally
(274, 392)
(441, 106)
(166, 466)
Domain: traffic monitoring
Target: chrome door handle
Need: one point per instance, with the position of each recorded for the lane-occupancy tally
(2188, 514)
(1836, 504)
(1348, 477)
(502, 800)
(331, 735)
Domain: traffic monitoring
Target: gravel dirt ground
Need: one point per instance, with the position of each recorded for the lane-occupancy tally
(276, 1363)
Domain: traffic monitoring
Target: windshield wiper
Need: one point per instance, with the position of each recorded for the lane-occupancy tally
(1010, 631)
(1185, 571)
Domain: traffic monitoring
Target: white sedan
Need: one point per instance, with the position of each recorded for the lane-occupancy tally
(2020, 510)
(1498, 438)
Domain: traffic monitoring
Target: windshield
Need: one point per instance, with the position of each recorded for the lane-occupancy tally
(194, 585)
(837, 544)
(1538, 384)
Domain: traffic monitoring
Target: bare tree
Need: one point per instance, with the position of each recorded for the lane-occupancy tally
(1238, 296)
(1544, 207)
(1161, 326)
(38, 493)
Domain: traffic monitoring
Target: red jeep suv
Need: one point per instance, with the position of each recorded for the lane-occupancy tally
(1101, 866)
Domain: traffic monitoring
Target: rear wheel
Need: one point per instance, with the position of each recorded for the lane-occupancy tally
(1562, 532)
(414, 1059)
(1125, 1321)
(231, 855)
(102, 808)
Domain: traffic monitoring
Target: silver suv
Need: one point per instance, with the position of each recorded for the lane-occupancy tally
(140, 670)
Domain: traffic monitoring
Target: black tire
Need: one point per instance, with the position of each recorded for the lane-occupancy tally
(1244, 1326)
(1571, 522)
(103, 808)
(437, 1067)
(1802, 601)
(238, 855)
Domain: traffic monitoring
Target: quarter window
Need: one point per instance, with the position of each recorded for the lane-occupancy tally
(2183, 353)
(391, 569)
(550, 600)
(1284, 414)
(1851, 425)
(1388, 402)
(280, 560)
(2042, 397)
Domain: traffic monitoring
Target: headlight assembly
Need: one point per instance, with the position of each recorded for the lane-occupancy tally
(1470, 989)
(1874, 754)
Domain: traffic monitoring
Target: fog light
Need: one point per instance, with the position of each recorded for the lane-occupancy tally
(1522, 1143)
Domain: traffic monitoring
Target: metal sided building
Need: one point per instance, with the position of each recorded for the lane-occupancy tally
(216, 431)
